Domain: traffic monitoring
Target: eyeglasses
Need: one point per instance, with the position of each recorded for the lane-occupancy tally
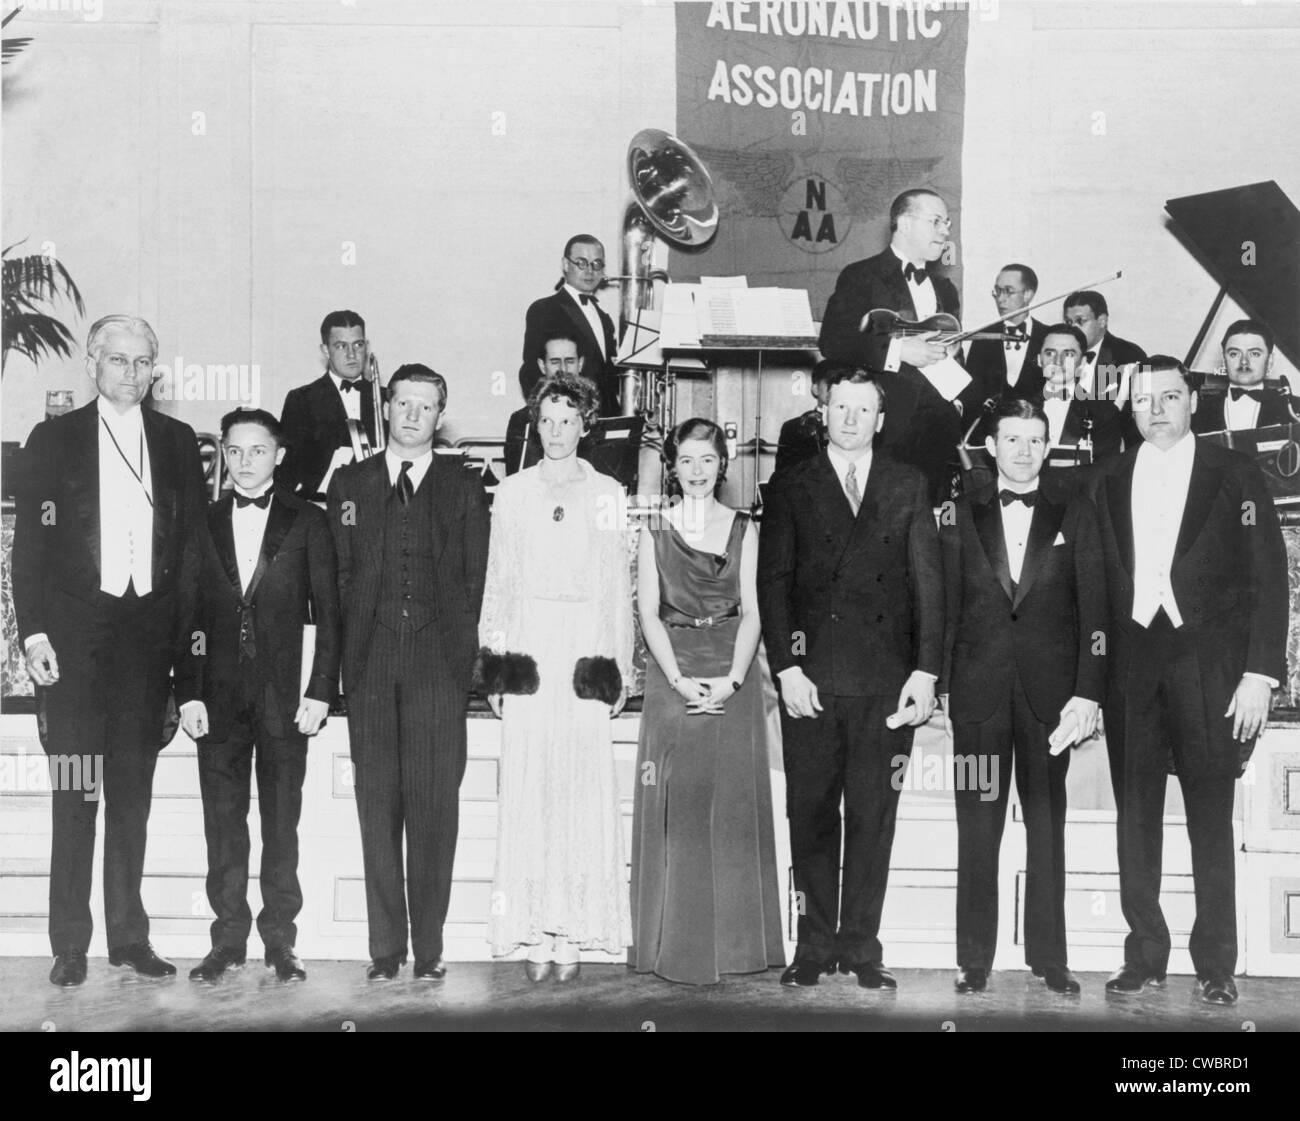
(583, 265)
(1006, 292)
(936, 222)
(358, 347)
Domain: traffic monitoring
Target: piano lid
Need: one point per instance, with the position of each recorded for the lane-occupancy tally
(1218, 226)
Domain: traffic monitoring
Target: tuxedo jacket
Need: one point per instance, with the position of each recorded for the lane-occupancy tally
(1114, 351)
(986, 362)
(315, 425)
(856, 602)
(56, 549)
(1210, 410)
(921, 428)
(357, 511)
(295, 582)
(1043, 629)
(560, 312)
(1113, 428)
(1229, 579)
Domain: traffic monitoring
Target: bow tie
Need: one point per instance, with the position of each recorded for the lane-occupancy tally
(1090, 355)
(261, 502)
(1256, 395)
(911, 272)
(346, 386)
(587, 298)
(1009, 496)
(1012, 329)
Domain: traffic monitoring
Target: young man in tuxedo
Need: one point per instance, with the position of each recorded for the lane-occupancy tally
(1196, 576)
(924, 428)
(1024, 652)
(561, 354)
(1105, 355)
(105, 570)
(269, 562)
(1074, 411)
(318, 418)
(574, 309)
(1248, 360)
(803, 436)
(850, 589)
(1006, 369)
(411, 532)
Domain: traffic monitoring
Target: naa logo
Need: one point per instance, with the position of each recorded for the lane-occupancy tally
(814, 214)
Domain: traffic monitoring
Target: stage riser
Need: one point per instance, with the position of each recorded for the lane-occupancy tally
(918, 928)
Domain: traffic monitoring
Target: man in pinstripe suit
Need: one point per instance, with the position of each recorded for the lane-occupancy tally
(411, 530)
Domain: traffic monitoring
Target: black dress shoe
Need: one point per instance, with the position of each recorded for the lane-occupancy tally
(971, 980)
(1057, 978)
(287, 965)
(69, 968)
(872, 975)
(803, 973)
(219, 959)
(385, 968)
(431, 969)
(1130, 978)
(141, 957)
(1218, 990)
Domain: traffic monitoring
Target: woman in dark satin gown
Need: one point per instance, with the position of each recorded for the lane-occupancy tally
(704, 884)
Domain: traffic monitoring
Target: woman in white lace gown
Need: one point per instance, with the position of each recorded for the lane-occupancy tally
(558, 596)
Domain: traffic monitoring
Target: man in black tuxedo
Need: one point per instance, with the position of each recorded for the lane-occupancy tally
(1024, 653)
(1196, 576)
(1077, 416)
(1105, 355)
(411, 531)
(850, 589)
(1006, 369)
(105, 571)
(574, 309)
(270, 561)
(924, 428)
(560, 355)
(1248, 360)
(803, 436)
(335, 411)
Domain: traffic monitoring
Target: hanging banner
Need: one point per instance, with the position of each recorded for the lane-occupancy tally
(811, 115)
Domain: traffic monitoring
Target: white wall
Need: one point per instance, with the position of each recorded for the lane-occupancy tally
(326, 123)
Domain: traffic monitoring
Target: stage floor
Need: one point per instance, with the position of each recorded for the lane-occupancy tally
(480, 996)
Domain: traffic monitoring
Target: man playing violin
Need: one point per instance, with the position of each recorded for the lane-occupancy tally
(924, 428)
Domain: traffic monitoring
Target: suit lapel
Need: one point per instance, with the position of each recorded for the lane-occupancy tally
(1202, 489)
(279, 519)
(82, 451)
(1072, 428)
(987, 516)
(1043, 528)
(431, 491)
(1119, 491)
(162, 473)
(221, 525)
(329, 405)
(372, 498)
(828, 495)
(579, 320)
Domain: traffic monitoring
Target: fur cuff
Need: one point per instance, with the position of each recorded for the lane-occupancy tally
(597, 679)
(504, 673)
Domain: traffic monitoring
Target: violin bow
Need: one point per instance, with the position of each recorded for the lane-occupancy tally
(1026, 310)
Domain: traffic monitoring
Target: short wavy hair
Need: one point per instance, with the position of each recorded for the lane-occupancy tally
(570, 388)
(697, 428)
(131, 324)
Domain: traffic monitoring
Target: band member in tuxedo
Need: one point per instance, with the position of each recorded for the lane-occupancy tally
(1024, 654)
(316, 417)
(1248, 360)
(1006, 369)
(924, 428)
(850, 590)
(574, 308)
(1075, 414)
(270, 561)
(560, 355)
(803, 436)
(1105, 355)
(1196, 576)
(105, 571)
(411, 531)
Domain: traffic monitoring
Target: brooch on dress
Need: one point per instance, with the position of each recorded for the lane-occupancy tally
(557, 515)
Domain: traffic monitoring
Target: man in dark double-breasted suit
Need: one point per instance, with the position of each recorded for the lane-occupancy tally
(269, 570)
(1196, 576)
(411, 530)
(850, 590)
(105, 571)
(1024, 654)
(924, 428)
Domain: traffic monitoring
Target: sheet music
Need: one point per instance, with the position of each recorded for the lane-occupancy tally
(947, 376)
(724, 282)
